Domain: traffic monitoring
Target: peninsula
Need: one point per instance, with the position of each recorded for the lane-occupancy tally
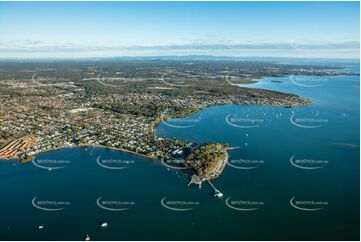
(117, 104)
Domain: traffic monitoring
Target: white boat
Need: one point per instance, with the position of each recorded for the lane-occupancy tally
(218, 194)
(104, 225)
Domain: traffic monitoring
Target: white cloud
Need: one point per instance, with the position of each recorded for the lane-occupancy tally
(39, 49)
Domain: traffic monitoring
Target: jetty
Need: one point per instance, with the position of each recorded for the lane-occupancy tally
(217, 193)
(197, 180)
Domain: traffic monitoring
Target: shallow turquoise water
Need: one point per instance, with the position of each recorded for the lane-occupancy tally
(267, 140)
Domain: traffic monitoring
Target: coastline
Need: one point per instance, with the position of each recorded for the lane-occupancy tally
(82, 146)
(258, 79)
(153, 126)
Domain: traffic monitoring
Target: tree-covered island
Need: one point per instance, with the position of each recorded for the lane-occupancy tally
(208, 161)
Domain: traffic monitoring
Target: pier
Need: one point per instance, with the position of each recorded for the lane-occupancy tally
(198, 181)
(217, 193)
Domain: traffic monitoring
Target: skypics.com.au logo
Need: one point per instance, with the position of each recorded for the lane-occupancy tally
(165, 81)
(243, 205)
(243, 123)
(307, 205)
(243, 164)
(182, 123)
(296, 81)
(49, 205)
(308, 122)
(114, 164)
(178, 205)
(50, 164)
(307, 164)
(114, 205)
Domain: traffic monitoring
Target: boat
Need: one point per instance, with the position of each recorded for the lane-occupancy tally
(218, 194)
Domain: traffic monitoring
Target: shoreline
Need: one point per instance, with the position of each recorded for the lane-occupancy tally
(82, 146)
(155, 123)
(250, 83)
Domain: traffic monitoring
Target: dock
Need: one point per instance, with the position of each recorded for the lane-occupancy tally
(198, 181)
(217, 193)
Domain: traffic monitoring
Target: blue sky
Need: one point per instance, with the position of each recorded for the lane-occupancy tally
(93, 29)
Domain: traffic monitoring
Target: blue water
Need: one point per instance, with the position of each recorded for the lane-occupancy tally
(267, 137)
(337, 65)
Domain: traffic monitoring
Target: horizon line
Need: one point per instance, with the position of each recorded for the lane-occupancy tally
(189, 57)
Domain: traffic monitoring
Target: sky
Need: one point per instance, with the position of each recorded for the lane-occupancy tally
(105, 29)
